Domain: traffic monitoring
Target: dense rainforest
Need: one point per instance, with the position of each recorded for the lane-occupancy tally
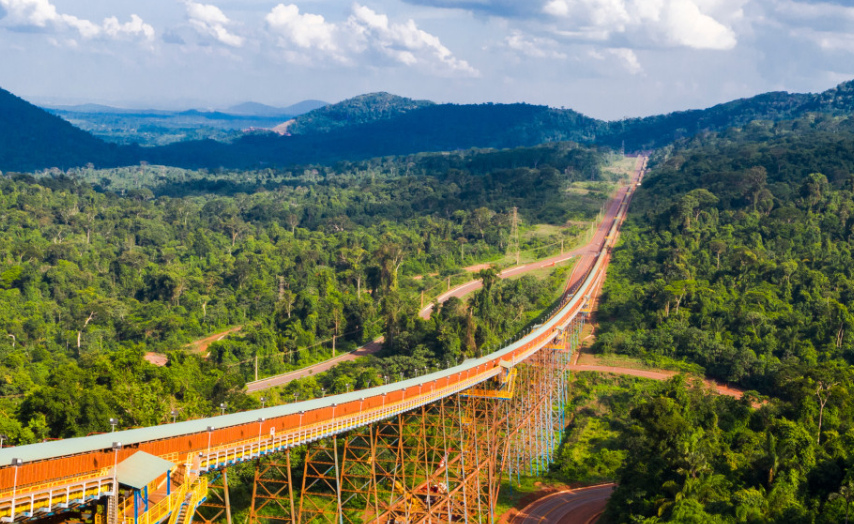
(737, 256)
(95, 275)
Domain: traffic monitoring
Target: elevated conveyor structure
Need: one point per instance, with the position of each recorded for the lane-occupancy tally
(431, 448)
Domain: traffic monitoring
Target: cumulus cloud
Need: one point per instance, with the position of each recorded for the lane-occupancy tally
(136, 27)
(623, 57)
(405, 42)
(681, 23)
(305, 31)
(698, 24)
(628, 59)
(41, 15)
(307, 37)
(534, 47)
(209, 20)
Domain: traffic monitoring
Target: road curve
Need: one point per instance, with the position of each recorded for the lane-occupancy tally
(280, 380)
(577, 506)
(587, 250)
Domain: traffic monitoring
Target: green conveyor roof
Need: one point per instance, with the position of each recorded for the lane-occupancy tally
(75, 446)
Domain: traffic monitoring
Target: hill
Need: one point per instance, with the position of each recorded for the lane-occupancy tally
(391, 111)
(355, 111)
(435, 127)
(256, 109)
(98, 109)
(31, 138)
(373, 125)
(304, 107)
(654, 131)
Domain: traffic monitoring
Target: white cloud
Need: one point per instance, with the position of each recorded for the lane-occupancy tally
(305, 31)
(405, 43)
(688, 26)
(628, 59)
(534, 47)
(624, 57)
(43, 16)
(136, 27)
(679, 23)
(309, 38)
(209, 20)
(597, 13)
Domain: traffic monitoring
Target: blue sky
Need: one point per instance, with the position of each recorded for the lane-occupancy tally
(605, 58)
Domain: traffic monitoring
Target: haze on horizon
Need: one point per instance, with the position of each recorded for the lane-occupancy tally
(605, 58)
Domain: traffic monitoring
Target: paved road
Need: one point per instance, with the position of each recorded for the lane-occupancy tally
(578, 506)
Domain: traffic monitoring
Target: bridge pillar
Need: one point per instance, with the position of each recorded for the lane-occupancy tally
(217, 502)
(272, 492)
(439, 463)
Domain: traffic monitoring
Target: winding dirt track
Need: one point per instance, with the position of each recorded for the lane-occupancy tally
(280, 380)
(587, 254)
(199, 346)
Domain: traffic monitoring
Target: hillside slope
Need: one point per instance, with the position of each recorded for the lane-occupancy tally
(31, 138)
(381, 124)
(655, 131)
(362, 109)
(432, 128)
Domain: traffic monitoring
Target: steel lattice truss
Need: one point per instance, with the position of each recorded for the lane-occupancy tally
(442, 462)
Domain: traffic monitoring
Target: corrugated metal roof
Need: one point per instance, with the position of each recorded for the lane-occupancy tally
(141, 469)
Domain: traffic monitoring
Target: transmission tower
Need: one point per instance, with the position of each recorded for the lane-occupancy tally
(514, 234)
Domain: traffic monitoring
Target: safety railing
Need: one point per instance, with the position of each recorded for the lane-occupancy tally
(57, 497)
(65, 492)
(226, 455)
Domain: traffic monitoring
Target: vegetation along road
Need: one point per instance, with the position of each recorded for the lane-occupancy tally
(587, 252)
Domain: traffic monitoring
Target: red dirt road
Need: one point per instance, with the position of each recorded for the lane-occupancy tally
(280, 380)
(587, 252)
(577, 506)
(654, 375)
(199, 346)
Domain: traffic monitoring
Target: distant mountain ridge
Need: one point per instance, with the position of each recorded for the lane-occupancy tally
(243, 109)
(380, 124)
(155, 127)
(256, 109)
